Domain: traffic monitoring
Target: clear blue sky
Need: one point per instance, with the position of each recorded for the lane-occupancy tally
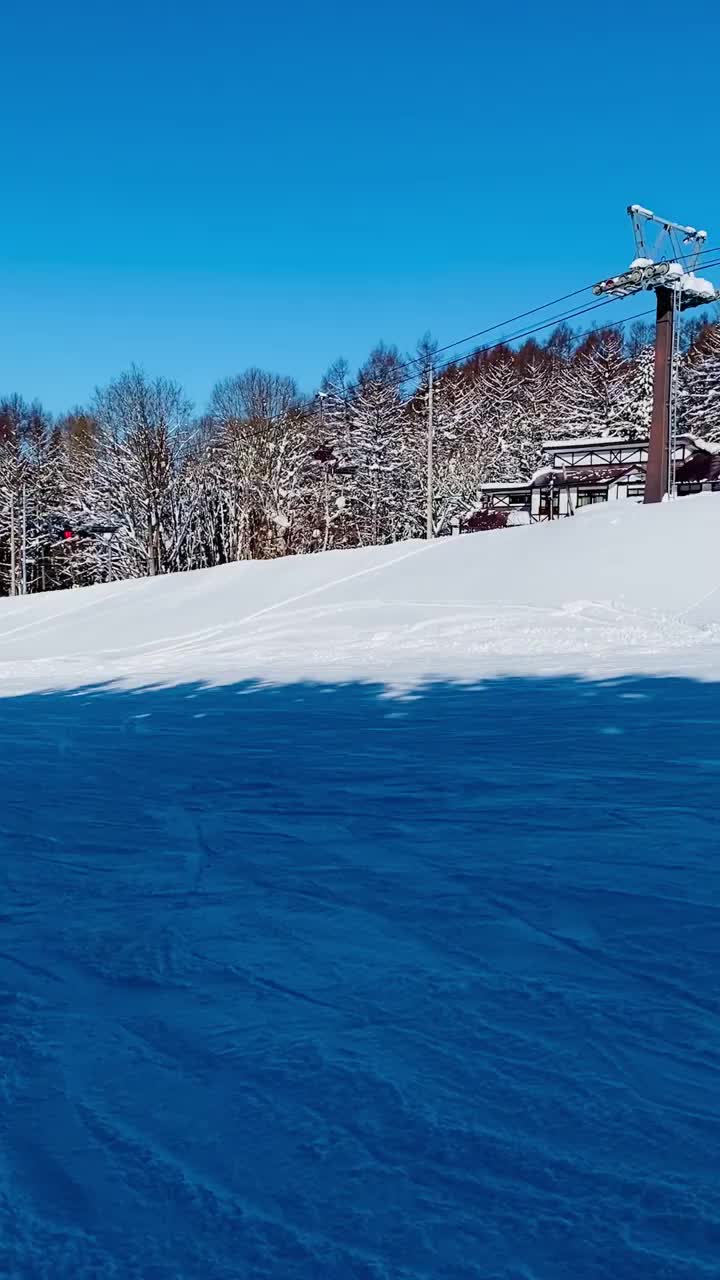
(203, 186)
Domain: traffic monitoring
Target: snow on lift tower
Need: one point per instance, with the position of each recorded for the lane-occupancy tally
(660, 264)
(667, 268)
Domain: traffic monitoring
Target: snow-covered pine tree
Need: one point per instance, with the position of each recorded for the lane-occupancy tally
(31, 475)
(14, 414)
(45, 479)
(377, 422)
(537, 413)
(332, 476)
(460, 453)
(592, 389)
(700, 402)
(501, 423)
(636, 405)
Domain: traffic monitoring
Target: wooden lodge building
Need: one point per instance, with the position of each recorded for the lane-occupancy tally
(581, 472)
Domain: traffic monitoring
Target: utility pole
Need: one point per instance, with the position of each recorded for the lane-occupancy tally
(669, 273)
(430, 464)
(24, 540)
(322, 397)
(13, 583)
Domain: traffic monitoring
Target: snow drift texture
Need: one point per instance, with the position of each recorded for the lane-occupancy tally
(359, 914)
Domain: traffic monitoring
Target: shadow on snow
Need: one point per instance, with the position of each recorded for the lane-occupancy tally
(310, 981)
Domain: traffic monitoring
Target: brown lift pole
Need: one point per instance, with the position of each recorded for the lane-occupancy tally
(657, 268)
(658, 463)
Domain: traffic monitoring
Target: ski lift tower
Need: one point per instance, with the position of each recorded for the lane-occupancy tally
(667, 268)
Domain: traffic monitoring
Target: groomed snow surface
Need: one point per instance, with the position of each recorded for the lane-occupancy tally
(360, 914)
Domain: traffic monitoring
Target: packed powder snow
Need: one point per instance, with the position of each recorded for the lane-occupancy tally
(360, 913)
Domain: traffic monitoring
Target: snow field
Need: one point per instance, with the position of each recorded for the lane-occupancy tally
(360, 914)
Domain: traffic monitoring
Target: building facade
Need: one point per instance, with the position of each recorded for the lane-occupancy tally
(579, 473)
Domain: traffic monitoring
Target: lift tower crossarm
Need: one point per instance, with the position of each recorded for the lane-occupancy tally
(676, 287)
(675, 233)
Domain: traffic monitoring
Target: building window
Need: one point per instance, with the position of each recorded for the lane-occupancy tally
(636, 491)
(686, 488)
(586, 497)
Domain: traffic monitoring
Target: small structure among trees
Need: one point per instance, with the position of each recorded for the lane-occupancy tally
(579, 473)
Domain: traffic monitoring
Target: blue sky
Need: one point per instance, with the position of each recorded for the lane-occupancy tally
(201, 187)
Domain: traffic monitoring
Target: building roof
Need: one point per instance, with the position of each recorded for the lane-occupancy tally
(701, 465)
(696, 442)
(593, 442)
(588, 475)
(698, 468)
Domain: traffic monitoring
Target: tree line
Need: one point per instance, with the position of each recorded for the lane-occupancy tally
(266, 471)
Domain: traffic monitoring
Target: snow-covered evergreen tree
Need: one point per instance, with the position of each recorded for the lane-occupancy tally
(454, 457)
(377, 414)
(501, 421)
(537, 395)
(700, 412)
(636, 407)
(592, 389)
(335, 476)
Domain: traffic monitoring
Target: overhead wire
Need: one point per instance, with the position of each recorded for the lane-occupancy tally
(586, 333)
(501, 324)
(555, 321)
(506, 340)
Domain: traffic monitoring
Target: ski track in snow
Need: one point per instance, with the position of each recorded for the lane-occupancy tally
(373, 935)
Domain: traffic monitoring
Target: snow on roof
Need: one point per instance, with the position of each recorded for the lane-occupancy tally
(593, 442)
(591, 475)
(696, 442)
(511, 485)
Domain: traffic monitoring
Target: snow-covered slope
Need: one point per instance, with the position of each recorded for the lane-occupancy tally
(570, 595)
(306, 981)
